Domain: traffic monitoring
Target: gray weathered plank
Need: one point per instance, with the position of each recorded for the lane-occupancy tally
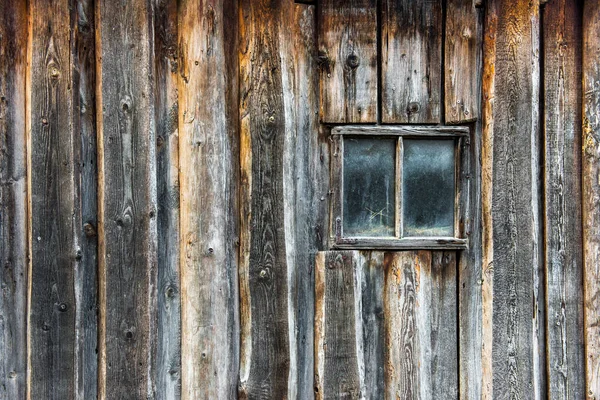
(55, 222)
(462, 42)
(512, 319)
(563, 246)
(208, 164)
(591, 194)
(348, 60)
(127, 199)
(13, 199)
(411, 61)
(267, 266)
(168, 353)
(86, 205)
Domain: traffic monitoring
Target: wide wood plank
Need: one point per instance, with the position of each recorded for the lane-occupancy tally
(127, 199)
(168, 353)
(591, 194)
(563, 247)
(13, 199)
(208, 164)
(462, 43)
(513, 366)
(55, 222)
(411, 61)
(268, 340)
(348, 60)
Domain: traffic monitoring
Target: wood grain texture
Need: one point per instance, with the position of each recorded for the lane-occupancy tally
(168, 353)
(517, 330)
(563, 246)
(591, 195)
(55, 221)
(13, 199)
(86, 202)
(348, 61)
(267, 271)
(207, 127)
(127, 199)
(411, 61)
(462, 47)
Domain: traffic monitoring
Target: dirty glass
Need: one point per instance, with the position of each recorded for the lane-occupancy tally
(428, 187)
(369, 186)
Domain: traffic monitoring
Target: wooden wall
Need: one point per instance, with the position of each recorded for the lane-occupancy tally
(164, 200)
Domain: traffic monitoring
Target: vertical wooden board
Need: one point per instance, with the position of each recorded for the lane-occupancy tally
(591, 194)
(421, 353)
(563, 255)
(55, 224)
(267, 271)
(208, 213)
(168, 353)
(411, 61)
(348, 61)
(336, 353)
(13, 199)
(461, 67)
(86, 204)
(516, 330)
(309, 186)
(127, 199)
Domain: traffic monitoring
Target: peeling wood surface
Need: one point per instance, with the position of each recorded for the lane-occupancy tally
(411, 61)
(127, 197)
(591, 195)
(348, 61)
(13, 199)
(562, 40)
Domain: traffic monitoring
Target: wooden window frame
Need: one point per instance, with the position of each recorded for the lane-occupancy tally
(461, 136)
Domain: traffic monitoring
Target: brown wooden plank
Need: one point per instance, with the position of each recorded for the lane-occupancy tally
(411, 61)
(207, 126)
(13, 199)
(268, 347)
(55, 251)
(563, 256)
(127, 199)
(336, 353)
(168, 353)
(514, 322)
(348, 60)
(420, 325)
(591, 193)
(462, 43)
(84, 126)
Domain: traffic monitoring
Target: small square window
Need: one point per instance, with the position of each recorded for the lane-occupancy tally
(401, 187)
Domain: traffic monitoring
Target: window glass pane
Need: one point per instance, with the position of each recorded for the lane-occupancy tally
(369, 183)
(428, 187)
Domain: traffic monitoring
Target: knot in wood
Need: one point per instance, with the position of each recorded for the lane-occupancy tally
(413, 107)
(353, 61)
(62, 307)
(89, 229)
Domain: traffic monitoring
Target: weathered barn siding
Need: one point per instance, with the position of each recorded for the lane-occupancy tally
(165, 192)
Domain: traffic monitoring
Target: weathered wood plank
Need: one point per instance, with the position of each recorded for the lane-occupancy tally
(13, 199)
(168, 353)
(267, 270)
(420, 325)
(127, 199)
(310, 182)
(411, 61)
(461, 76)
(55, 224)
(86, 204)
(516, 329)
(348, 61)
(336, 358)
(207, 127)
(591, 195)
(563, 246)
